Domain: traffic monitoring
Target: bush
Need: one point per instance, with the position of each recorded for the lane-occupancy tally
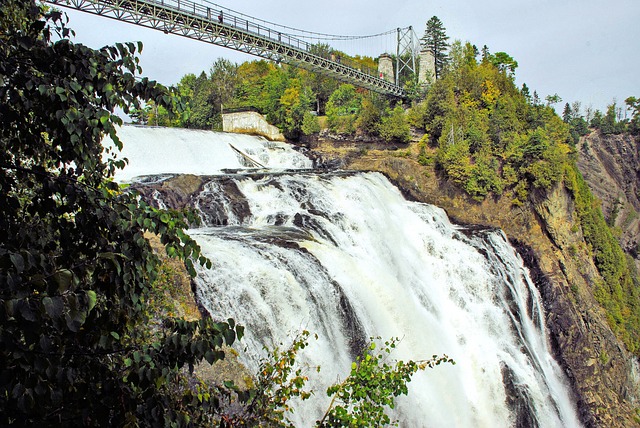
(394, 127)
(310, 124)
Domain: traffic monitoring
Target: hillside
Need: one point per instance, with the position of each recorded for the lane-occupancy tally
(611, 166)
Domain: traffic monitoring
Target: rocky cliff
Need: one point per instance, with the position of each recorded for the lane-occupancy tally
(549, 238)
(611, 166)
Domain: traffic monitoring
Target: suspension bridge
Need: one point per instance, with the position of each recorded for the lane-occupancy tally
(215, 24)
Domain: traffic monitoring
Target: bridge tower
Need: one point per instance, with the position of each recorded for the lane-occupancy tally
(407, 50)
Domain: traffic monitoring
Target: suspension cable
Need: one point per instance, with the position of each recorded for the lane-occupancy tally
(303, 34)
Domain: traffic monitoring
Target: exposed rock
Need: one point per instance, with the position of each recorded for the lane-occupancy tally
(611, 166)
(252, 123)
(178, 299)
(175, 192)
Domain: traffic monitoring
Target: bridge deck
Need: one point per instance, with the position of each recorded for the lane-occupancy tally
(200, 22)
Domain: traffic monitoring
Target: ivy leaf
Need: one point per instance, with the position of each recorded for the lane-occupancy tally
(53, 306)
(64, 279)
(92, 299)
(18, 262)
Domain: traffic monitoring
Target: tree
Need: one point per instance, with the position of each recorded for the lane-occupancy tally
(202, 109)
(567, 113)
(296, 101)
(485, 53)
(321, 85)
(342, 107)
(553, 99)
(609, 124)
(362, 399)
(525, 92)
(394, 126)
(435, 40)
(223, 78)
(75, 268)
(633, 103)
(504, 62)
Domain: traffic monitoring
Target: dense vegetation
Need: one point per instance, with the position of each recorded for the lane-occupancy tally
(288, 97)
(75, 268)
(488, 136)
(619, 292)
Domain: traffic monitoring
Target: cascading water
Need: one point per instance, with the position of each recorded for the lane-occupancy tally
(345, 256)
(157, 150)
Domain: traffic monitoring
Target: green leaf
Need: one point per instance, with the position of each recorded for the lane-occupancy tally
(18, 262)
(92, 299)
(210, 356)
(229, 336)
(64, 279)
(53, 307)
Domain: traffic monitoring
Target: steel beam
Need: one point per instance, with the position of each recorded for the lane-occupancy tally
(199, 22)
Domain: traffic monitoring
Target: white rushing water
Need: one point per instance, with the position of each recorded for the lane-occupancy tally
(345, 256)
(158, 150)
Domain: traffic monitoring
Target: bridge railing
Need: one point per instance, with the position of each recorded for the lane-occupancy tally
(226, 17)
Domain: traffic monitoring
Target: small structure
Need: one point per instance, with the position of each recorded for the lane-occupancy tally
(427, 73)
(385, 68)
(250, 122)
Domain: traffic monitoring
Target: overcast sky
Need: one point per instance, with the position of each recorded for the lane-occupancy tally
(583, 50)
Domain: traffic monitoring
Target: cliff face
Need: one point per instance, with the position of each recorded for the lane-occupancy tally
(548, 236)
(611, 166)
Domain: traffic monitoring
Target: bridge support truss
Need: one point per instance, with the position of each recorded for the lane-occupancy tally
(200, 22)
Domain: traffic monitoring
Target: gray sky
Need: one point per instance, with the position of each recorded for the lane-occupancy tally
(584, 50)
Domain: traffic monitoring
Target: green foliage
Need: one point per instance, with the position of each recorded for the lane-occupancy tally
(278, 382)
(342, 108)
(202, 111)
(250, 91)
(296, 102)
(75, 268)
(363, 398)
(372, 109)
(633, 103)
(394, 126)
(619, 293)
(578, 126)
(310, 124)
(489, 137)
(504, 62)
(609, 123)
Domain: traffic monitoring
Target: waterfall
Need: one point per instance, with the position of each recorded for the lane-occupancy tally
(158, 150)
(345, 256)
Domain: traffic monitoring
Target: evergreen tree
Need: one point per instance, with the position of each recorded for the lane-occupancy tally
(567, 114)
(525, 92)
(435, 40)
(485, 53)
